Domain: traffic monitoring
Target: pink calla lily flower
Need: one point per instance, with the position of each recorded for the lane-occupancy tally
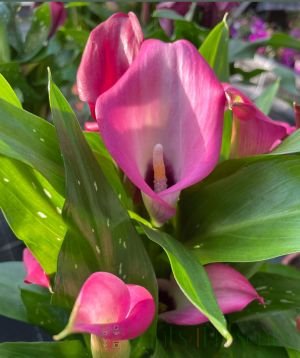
(108, 308)
(35, 273)
(162, 122)
(232, 290)
(110, 50)
(252, 131)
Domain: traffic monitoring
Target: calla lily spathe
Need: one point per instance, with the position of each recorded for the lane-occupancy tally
(111, 310)
(110, 50)
(162, 122)
(252, 131)
(34, 271)
(232, 290)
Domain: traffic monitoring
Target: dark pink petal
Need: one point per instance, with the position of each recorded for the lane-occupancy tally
(34, 272)
(111, 48)
(168, 96)
(58, 16)
(110, 309)
(232, 290)
(252, 131)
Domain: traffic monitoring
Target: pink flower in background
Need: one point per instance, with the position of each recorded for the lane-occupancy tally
(110, 309)
(162, 122)
(291, 57)
(232, 290)
(58, 16)
(109, 52)
(258, 30)
(34, 271)
(180, 8)
(252, 131)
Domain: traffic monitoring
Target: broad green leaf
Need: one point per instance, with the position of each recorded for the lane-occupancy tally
(66, 349)
(7, 93)
(215, 50)
(279, 269)
(247, 210)
(280, 294)
(11, 279)
(32, 208)
(27, 303)
(290, 145)
(32, 140)
(38, 32)
(242, 347)
(101, 236)
(192, 279)
(265, 100)
(277, 329)
(167, 14)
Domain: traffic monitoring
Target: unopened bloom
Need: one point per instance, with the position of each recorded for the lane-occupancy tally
(110, 50)
(179, 7)
(232, 290)
(162, 122)
(34, 271)
(252, 131)
(110, 310)
(58, 16)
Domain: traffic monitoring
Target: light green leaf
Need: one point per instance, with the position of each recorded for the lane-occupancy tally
(167, 14)
(247, 210)
(215, 50)
(101, 236)
(7, 93)
(265, 100)
(290, 145)
(67, 349)
(192, 279)
(32, 208)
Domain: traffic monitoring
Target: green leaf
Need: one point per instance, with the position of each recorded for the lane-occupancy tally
(190, 31)
(67, 349)
(240, 49)
(247, 210)
(38, 32)
(277, 329)
(226, 138)
(7, 93)
(290, 145)
(279, 269)
(243, 348)
(192, 279)
(32, 208)
(215, 50)
(101, 236)
(292, 353)
(280, 293)
(4, 45)
(32, 140)
(265, 100)
(27, 303)
(167, 14)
